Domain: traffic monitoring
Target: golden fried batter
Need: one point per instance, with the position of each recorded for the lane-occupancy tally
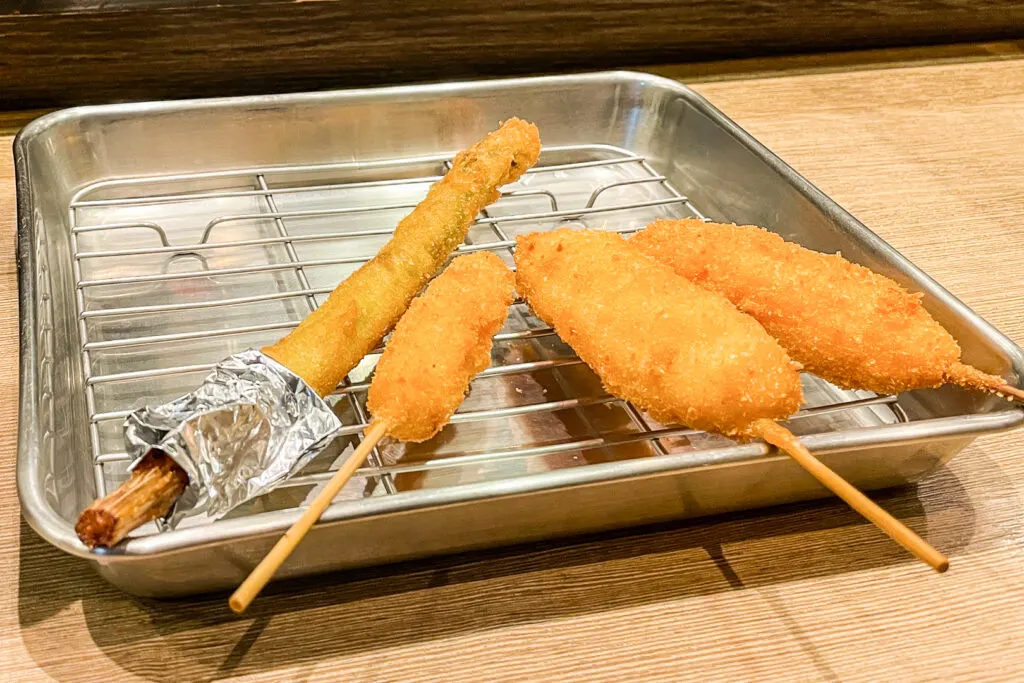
(439, 345)
(315, 354)
(378, 293)
(682, 353)
(843, 322)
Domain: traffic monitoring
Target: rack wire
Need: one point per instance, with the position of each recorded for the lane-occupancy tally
(173, 273)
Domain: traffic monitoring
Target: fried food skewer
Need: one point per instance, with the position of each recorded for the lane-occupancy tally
(442, 342)
(439, 345)
(787, 442)
(682, 353)
(356, 316)
(843, 322)
(381, 289)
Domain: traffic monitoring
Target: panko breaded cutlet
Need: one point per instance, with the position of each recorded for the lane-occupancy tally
(439, 345)
(842, 321)
(684, 354)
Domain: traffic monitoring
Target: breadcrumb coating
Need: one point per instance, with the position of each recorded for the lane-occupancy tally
(843, 322)
(682, 353)
(316, 355)
(379, 292)
(439, 345)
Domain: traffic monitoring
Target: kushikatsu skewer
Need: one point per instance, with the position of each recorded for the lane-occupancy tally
(682, 353)
(843, 322)
(438, 346)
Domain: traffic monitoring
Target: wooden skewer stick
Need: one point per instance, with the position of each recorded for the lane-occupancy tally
(1017, 394)
(898, 531)
(254, 583)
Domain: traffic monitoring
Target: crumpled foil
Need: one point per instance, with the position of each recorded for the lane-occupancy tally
(249, 426)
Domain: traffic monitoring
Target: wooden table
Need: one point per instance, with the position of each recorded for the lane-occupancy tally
(930, 157)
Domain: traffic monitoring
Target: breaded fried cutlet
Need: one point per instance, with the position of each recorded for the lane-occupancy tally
(680, 352)
(439, 345)
(842, 321)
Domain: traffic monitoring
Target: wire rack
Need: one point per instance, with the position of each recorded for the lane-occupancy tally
(174, 273)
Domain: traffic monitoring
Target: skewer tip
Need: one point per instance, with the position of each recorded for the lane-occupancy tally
(238, 605)
(264, 571)
(786, 441)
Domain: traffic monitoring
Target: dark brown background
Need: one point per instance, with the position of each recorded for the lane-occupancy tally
(56, 53)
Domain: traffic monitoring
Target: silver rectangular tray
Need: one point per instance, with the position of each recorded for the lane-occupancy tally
(155, 239)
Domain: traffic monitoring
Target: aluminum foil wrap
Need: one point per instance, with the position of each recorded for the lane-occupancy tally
(249, 426)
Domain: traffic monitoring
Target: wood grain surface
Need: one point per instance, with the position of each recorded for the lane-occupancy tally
(64, 52)
(927, 156)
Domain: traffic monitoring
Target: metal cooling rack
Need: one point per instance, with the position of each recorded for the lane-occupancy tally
(162, 266)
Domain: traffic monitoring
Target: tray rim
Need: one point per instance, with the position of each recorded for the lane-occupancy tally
(55, 530)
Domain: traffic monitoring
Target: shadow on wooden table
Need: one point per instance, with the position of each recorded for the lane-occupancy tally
(361, 611)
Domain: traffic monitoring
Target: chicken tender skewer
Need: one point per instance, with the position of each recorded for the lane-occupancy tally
(682, 353)
(356, 316)
(843, 322)
(438, 346)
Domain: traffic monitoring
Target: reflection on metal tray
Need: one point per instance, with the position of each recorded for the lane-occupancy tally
(157, 239)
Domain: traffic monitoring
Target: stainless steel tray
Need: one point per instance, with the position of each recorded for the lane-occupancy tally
(155, 239)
